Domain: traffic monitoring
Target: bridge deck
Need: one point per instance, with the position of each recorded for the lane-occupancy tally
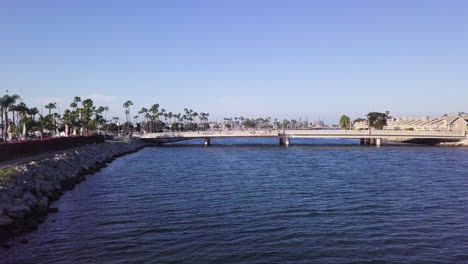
(356, 134)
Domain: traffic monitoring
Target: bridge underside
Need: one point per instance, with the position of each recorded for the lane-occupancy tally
(160, 141)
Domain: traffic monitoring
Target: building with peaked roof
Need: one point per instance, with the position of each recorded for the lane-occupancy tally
(458, 123)
(360, 125)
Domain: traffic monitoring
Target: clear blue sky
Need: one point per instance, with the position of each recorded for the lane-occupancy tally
(240, 57)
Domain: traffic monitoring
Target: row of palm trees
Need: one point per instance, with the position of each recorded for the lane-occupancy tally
(83, 117)
(262, 123)
(155, 119)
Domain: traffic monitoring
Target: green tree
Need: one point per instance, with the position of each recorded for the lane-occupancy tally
(87, 112)
(250, 123)
(377, 120)
(99, 119)
(45, 122)
(344, 122)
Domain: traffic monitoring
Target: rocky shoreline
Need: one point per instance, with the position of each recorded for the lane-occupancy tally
(461, 143)
(454, 143)
(27, 190)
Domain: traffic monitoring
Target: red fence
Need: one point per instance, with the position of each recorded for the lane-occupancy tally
(12, 150)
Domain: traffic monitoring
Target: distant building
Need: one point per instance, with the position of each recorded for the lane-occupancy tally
(458, 123)
(318, 123)
(360, 125)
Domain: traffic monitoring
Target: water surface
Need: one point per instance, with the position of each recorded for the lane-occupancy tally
(252, 201)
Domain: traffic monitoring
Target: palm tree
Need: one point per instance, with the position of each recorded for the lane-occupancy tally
(13, 109)
(86, 114)
(22, 110)
(195, 114)
(106, 108)
(73, 105)
(170, 115)
(77, 99)
(75, 102)
(147, 116)
(21, 114)
(50, 106)
(32, 112)
(127, 105)
(6, 102)
(97, 115)
(154, 115)
(143, 111)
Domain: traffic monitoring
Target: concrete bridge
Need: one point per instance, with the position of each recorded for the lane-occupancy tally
(367, 137)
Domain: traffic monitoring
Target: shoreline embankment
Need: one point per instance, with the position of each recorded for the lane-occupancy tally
(435, 142)
(27, 190)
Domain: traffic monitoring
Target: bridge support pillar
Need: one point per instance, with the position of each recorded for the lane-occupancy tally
(207, 141)
(367, 141)
(284, 141)
(378, 142)
(372, 141)
(362, 141)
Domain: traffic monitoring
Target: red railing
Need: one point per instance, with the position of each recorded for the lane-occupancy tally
(12, 150)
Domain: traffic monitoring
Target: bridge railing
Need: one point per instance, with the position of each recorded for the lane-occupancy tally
(420, 132)
(219, 133)
(373, 132)
(293, 132)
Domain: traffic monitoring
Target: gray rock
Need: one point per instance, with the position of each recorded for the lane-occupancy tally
(28, 196)
(45, 187)
(29, 199)
(18, 201)
(18, 191)
(4, 205)
(16, 215)
(19, 208)
(43, 202)
(5, 220)
(18, 211)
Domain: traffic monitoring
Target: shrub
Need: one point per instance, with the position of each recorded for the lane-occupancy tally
(6, 174)
(190, 127)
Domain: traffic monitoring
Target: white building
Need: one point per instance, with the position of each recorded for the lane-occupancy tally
(446, 123)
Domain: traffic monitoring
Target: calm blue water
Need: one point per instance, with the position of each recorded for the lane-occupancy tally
(252, 201)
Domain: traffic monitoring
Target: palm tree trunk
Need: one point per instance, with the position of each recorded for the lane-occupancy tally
(1, 117)
(5, 127)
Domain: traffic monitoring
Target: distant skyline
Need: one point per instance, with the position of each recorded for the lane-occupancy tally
(256, 58)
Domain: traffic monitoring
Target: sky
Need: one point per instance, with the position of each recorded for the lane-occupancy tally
(251, 58)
